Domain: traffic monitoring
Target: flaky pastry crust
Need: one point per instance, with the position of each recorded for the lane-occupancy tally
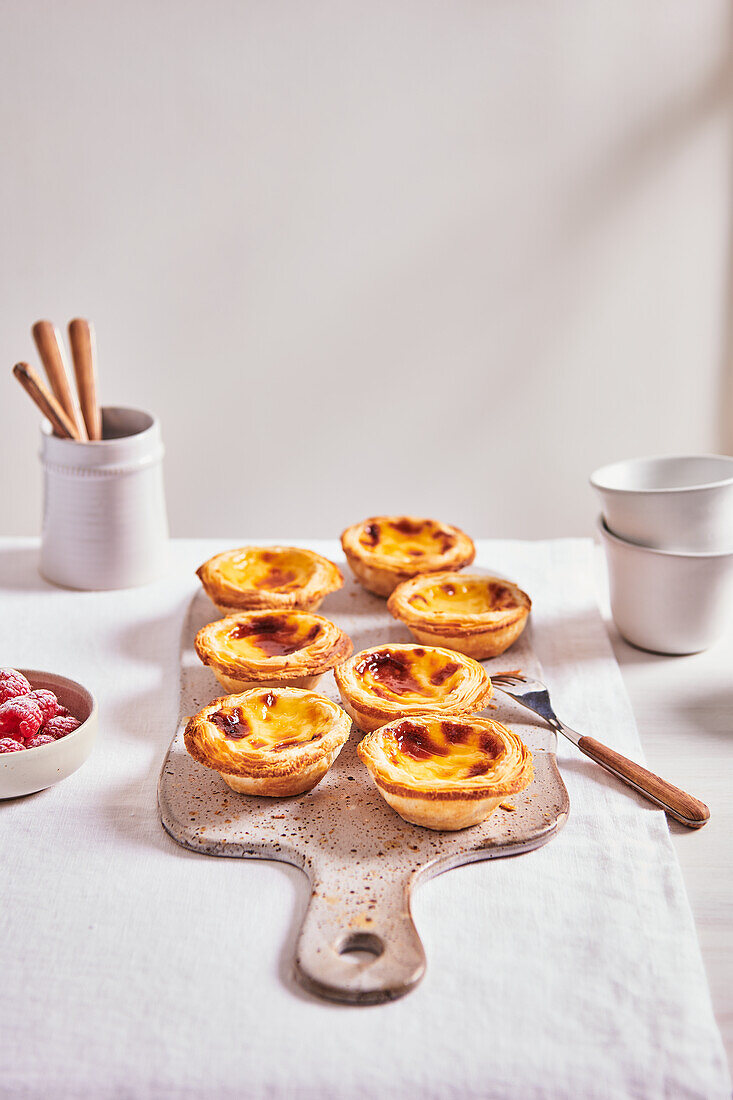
(395, 680)
(384, 551)
(273, 742)
(271, 648)
(446, 773)
(476, 615)
(278, 578)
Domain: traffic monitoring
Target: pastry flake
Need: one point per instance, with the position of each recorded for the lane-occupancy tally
(384, 551)
(273, 742)
(271, 648)
(446, 773)
(476, 615)
(395, 680)
(278, 578)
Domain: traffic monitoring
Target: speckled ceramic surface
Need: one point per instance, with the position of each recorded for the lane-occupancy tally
(362, 860)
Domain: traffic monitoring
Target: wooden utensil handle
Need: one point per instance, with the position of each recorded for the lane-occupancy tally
(679, 805)
(81, 338)
(45, 400)
(50, 349)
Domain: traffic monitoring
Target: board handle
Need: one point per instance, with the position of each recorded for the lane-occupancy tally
(360, 947)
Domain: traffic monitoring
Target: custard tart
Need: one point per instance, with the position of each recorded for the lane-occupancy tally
(446, 773)
(392, 681)
(479, 616)
(271, 648)
(277, 578)
(274, 743)
(383, 551)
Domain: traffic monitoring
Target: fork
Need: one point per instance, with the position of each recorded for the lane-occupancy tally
(533, 695)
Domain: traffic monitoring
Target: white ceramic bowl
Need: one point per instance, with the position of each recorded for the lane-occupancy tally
(682, 503)
(667, 602)
(35, 769)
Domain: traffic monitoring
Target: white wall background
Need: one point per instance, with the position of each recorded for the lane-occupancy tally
(443, 258)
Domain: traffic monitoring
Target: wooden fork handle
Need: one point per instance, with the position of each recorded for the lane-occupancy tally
(679, 805)
(83, 355)
(51, 351)
(45, 401)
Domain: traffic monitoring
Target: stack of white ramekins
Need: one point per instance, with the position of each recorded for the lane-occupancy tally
(667, 529)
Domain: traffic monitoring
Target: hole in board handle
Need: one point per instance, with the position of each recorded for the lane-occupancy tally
(361, 947)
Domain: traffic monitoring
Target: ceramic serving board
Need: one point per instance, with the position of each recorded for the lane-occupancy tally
(358, 943)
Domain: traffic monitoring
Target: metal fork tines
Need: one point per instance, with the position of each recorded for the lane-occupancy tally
(534, 695)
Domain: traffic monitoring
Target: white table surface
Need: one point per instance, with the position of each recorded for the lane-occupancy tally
(684, 713)
(683, 708)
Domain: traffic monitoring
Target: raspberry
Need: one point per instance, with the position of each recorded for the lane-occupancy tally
(40, 739)
(12, 684)
(7, 744)
(61, 725)
(47, 701)
(21, 716)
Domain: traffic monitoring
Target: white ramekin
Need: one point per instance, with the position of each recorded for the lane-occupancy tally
(682, 503)
(665, 601)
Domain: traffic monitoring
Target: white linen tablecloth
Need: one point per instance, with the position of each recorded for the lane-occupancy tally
(133, 968)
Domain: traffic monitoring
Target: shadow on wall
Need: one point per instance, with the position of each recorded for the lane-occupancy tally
(649, 150)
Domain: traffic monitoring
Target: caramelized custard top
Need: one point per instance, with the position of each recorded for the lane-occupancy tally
(271, 723)
(448, 748)
(275, 635)
(269, 569)
(404, 539)
(408, 674)
(467, 596)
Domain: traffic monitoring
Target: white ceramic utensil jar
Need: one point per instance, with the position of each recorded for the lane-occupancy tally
(664, 601)
(104, 517)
